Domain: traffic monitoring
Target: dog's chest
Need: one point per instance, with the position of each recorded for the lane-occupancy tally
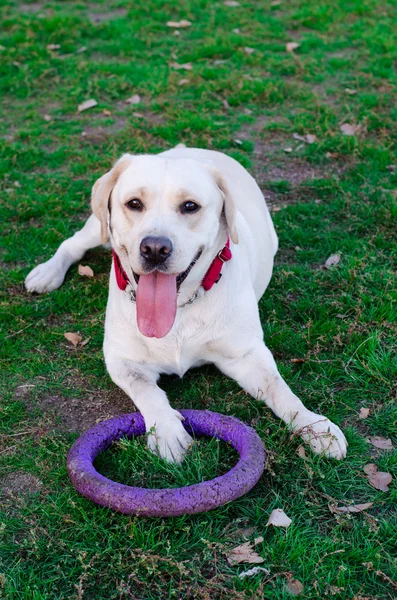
(177, 354)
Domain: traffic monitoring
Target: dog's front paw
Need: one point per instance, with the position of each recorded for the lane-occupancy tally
(168, 438)
(323, 436)
(45, 277)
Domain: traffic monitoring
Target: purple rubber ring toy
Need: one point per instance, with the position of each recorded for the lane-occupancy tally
(167, 502)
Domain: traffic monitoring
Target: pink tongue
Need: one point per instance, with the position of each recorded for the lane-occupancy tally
(156, 304)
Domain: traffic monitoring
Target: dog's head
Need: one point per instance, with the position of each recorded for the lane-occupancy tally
(164, 216)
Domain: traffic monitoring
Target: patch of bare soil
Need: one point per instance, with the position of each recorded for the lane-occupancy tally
(99, 133)
(272, 164)
(19, 483)
(31, 8)
(75, 415)
(100, 17)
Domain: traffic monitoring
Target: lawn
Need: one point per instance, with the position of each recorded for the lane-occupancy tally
(227, 82)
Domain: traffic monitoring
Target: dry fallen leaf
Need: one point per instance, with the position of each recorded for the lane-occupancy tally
(378, 479)
(258, 540)
(53, 46)
(231, 3)
(135, 99)
(381, 443)
(278, 518)
(86, 105)
(80, 50)
(291, 46)
(294, 587)
(85, 342)
(310, 138)
(86, 271)
(184, 66)
(47, 118)
(73, 338)
(302, 452)
(254, 571)
(332, 261)
(249, 50)
(182, 23)
(243, 554)
(353, 508)
(288, 150)
(350, 92)
(348, 129)
(364, 412)
(183, 81)
(297, 361)
(138, 115)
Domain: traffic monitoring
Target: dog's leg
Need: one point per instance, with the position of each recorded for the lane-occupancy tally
(48, 276)
(257, 373)
(167, 436)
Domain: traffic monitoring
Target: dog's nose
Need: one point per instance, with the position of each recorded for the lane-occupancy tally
(155, 250)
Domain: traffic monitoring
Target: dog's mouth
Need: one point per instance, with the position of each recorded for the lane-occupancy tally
(179, 278)
(156, 299)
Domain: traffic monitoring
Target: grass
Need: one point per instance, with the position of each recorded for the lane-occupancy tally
(332, 331)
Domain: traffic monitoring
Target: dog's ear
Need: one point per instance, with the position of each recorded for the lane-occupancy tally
(228, 205)
(101, 191)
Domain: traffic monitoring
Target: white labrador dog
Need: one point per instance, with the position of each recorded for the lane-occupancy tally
(168, 217)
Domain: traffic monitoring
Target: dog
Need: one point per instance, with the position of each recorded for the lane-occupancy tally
(193, 247)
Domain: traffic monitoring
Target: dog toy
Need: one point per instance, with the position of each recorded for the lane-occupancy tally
(167, 502)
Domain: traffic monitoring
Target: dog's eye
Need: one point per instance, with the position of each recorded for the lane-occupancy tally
(189, 207)
(134, 204)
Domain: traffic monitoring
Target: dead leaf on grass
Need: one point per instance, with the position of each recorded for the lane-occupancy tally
(249, 50)
(53, 46)
(302, 452)
(254, 571)
(85, 270)
(80, 50)
(378, 479)
(353, 508)
(243, 554)
(308, 138)
(350, 92)
(135, 99)
(332, 261)
(349, 129)
(291, 46)
(231, 3)
(183, 67)
(364, 413)
(183, 81)
(138, 115)
(381, 443)
(311, 138)
(278, 518)
(85, 342)
(294, 586)
(288, 150)
(86, 105)
(73, 338)
(182, 23)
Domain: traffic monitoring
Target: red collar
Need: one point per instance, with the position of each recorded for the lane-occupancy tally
(211, 277)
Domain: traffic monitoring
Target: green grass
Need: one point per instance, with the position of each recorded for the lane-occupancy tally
(337, 195)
